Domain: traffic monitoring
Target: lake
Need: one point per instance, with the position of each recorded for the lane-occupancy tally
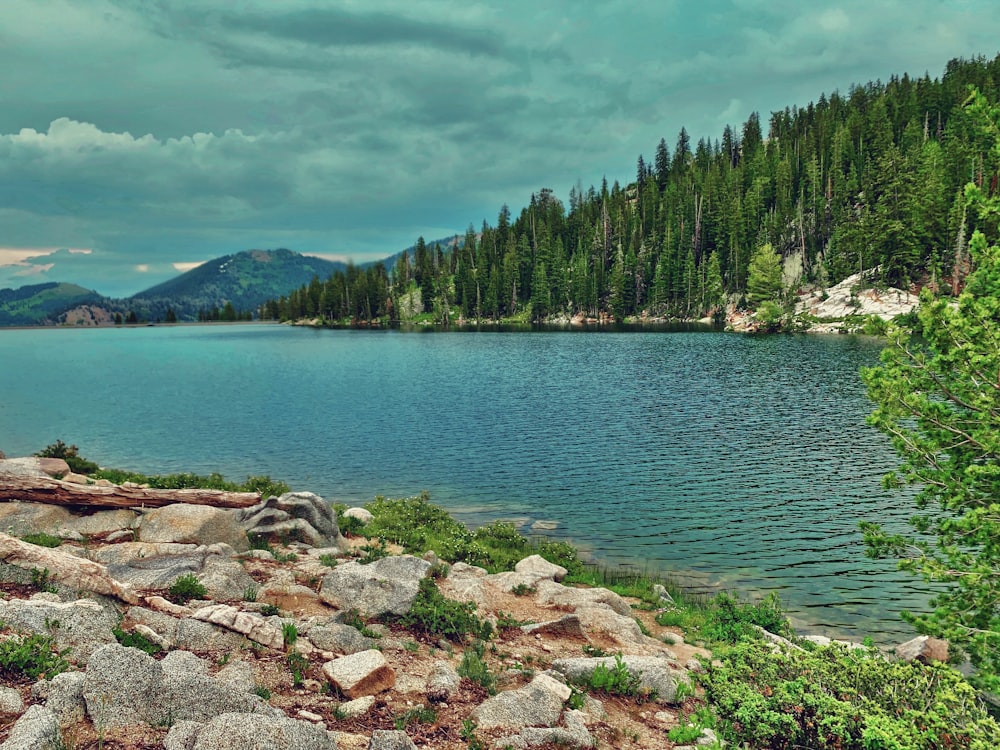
(726, 460)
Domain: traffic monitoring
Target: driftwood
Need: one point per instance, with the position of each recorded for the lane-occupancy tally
(33, 489)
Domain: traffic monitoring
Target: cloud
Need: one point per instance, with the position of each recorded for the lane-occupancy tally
(30, 269)
(142, 267)
(183, 267)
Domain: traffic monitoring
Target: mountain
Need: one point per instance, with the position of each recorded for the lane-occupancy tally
(244, 280)
(40, 304)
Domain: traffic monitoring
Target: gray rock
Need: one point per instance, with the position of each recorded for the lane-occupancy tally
(234, 731)
(11, 703)
(924, 649)
(184, 662)
(339, 638)
(19, 519)
(443, 681)
(297, 515)
(362, 514)
(185, 633)
(655, 675)
(238, 676)
(536, 565)
(252, 625)
(124, 686)
(81, 626)
(532, 705)
(386, 586)
(192, 524)
(574, 734)
(182, 735)
(103, 522)
(363, 673)
(64, 695)
(357, 707)
(37, 729)
(550, 592)
(390, 739)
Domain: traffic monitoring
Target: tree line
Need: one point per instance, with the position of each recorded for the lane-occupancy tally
(871, 182)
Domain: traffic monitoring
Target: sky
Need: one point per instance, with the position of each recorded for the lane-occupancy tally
(139, 138)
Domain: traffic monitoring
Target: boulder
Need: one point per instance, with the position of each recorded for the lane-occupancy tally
(924, 649)
(37, 729)
(253, 626)
(443, 681)
(655, 675)
(11, 703)
(556, 594)
(357, 707)
(384, 587)
(80, 626)
(362, 514)
(125, 686)
(64, 568)
(33, 466)
(536, 565)
(238, 731)
(19, 519)
(192, 524)
(363, 673)
(184, 633)
(63, 694)
(573, 734)
(300, 516)
(535, 704)
(339, 638)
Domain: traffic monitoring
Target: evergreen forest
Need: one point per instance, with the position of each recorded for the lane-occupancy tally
(870, 181)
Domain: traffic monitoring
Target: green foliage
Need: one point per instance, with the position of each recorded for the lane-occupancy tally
(328, 560)
(474, 668)
(937, 396)
(415, 715)
(289, 633)
(434, 615)
(33, 656)
(42, 580)
(42, 539)
(297, 665)
(71, 455)
(353, 618)
(730, 621)
(373, 552)
(262, 692)
(43, 303)
(419, 526)
(270, 610)
(844, 699)
(523, 589)
(186, 588)
(764, 282)
(262, 484)
(136, 640)
(250, 593)
(614, 680)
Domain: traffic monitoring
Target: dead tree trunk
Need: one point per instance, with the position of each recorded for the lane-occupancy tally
(57, 492)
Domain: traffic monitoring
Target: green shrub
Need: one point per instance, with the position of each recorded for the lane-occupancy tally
(373, 552)
(289, 633)
(730, 621)
(615, 680)
(32, 656)
(136, 640)
(42, 539)
(262, 484)
(186, 588)
(523, 589)
(297, 665)
(71, 455)
(269, 610)
(437, 616)
(41, 579)
(353, 618)
(836, 698)
(474, 668)
(328, 560)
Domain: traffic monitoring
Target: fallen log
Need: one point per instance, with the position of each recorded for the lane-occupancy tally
(33, 489)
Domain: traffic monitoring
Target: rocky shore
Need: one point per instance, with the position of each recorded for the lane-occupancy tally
(314, 643)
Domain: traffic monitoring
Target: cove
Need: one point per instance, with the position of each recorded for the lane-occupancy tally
(728, 461)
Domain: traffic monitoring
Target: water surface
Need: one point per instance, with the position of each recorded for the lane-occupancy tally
(729, 460)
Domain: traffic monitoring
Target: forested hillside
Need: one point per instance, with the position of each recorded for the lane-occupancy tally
(871, 180)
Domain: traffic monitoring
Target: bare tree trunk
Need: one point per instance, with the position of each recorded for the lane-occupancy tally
(57, 492)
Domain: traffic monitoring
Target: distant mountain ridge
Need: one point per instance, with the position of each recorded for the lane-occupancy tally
(244, 280)
(37, 304)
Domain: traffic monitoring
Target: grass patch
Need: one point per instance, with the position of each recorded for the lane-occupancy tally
(186, 588)
(474, 668)
(434, 615)
(42, 539)
(136, 640)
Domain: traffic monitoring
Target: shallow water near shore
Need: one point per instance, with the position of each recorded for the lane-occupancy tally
(729, 461)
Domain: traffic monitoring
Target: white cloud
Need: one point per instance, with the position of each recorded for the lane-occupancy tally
(142, 267)
(186, 266)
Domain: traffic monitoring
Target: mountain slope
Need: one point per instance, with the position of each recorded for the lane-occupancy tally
(244, 279)
(39, 304)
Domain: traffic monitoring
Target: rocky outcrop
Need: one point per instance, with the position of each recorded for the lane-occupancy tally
(384, 587)
(299, 516)
(654, 676)
(192, 524)
(239, 731)
(539, 703)
(924, 649)
(37, 729)
(81, 626)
